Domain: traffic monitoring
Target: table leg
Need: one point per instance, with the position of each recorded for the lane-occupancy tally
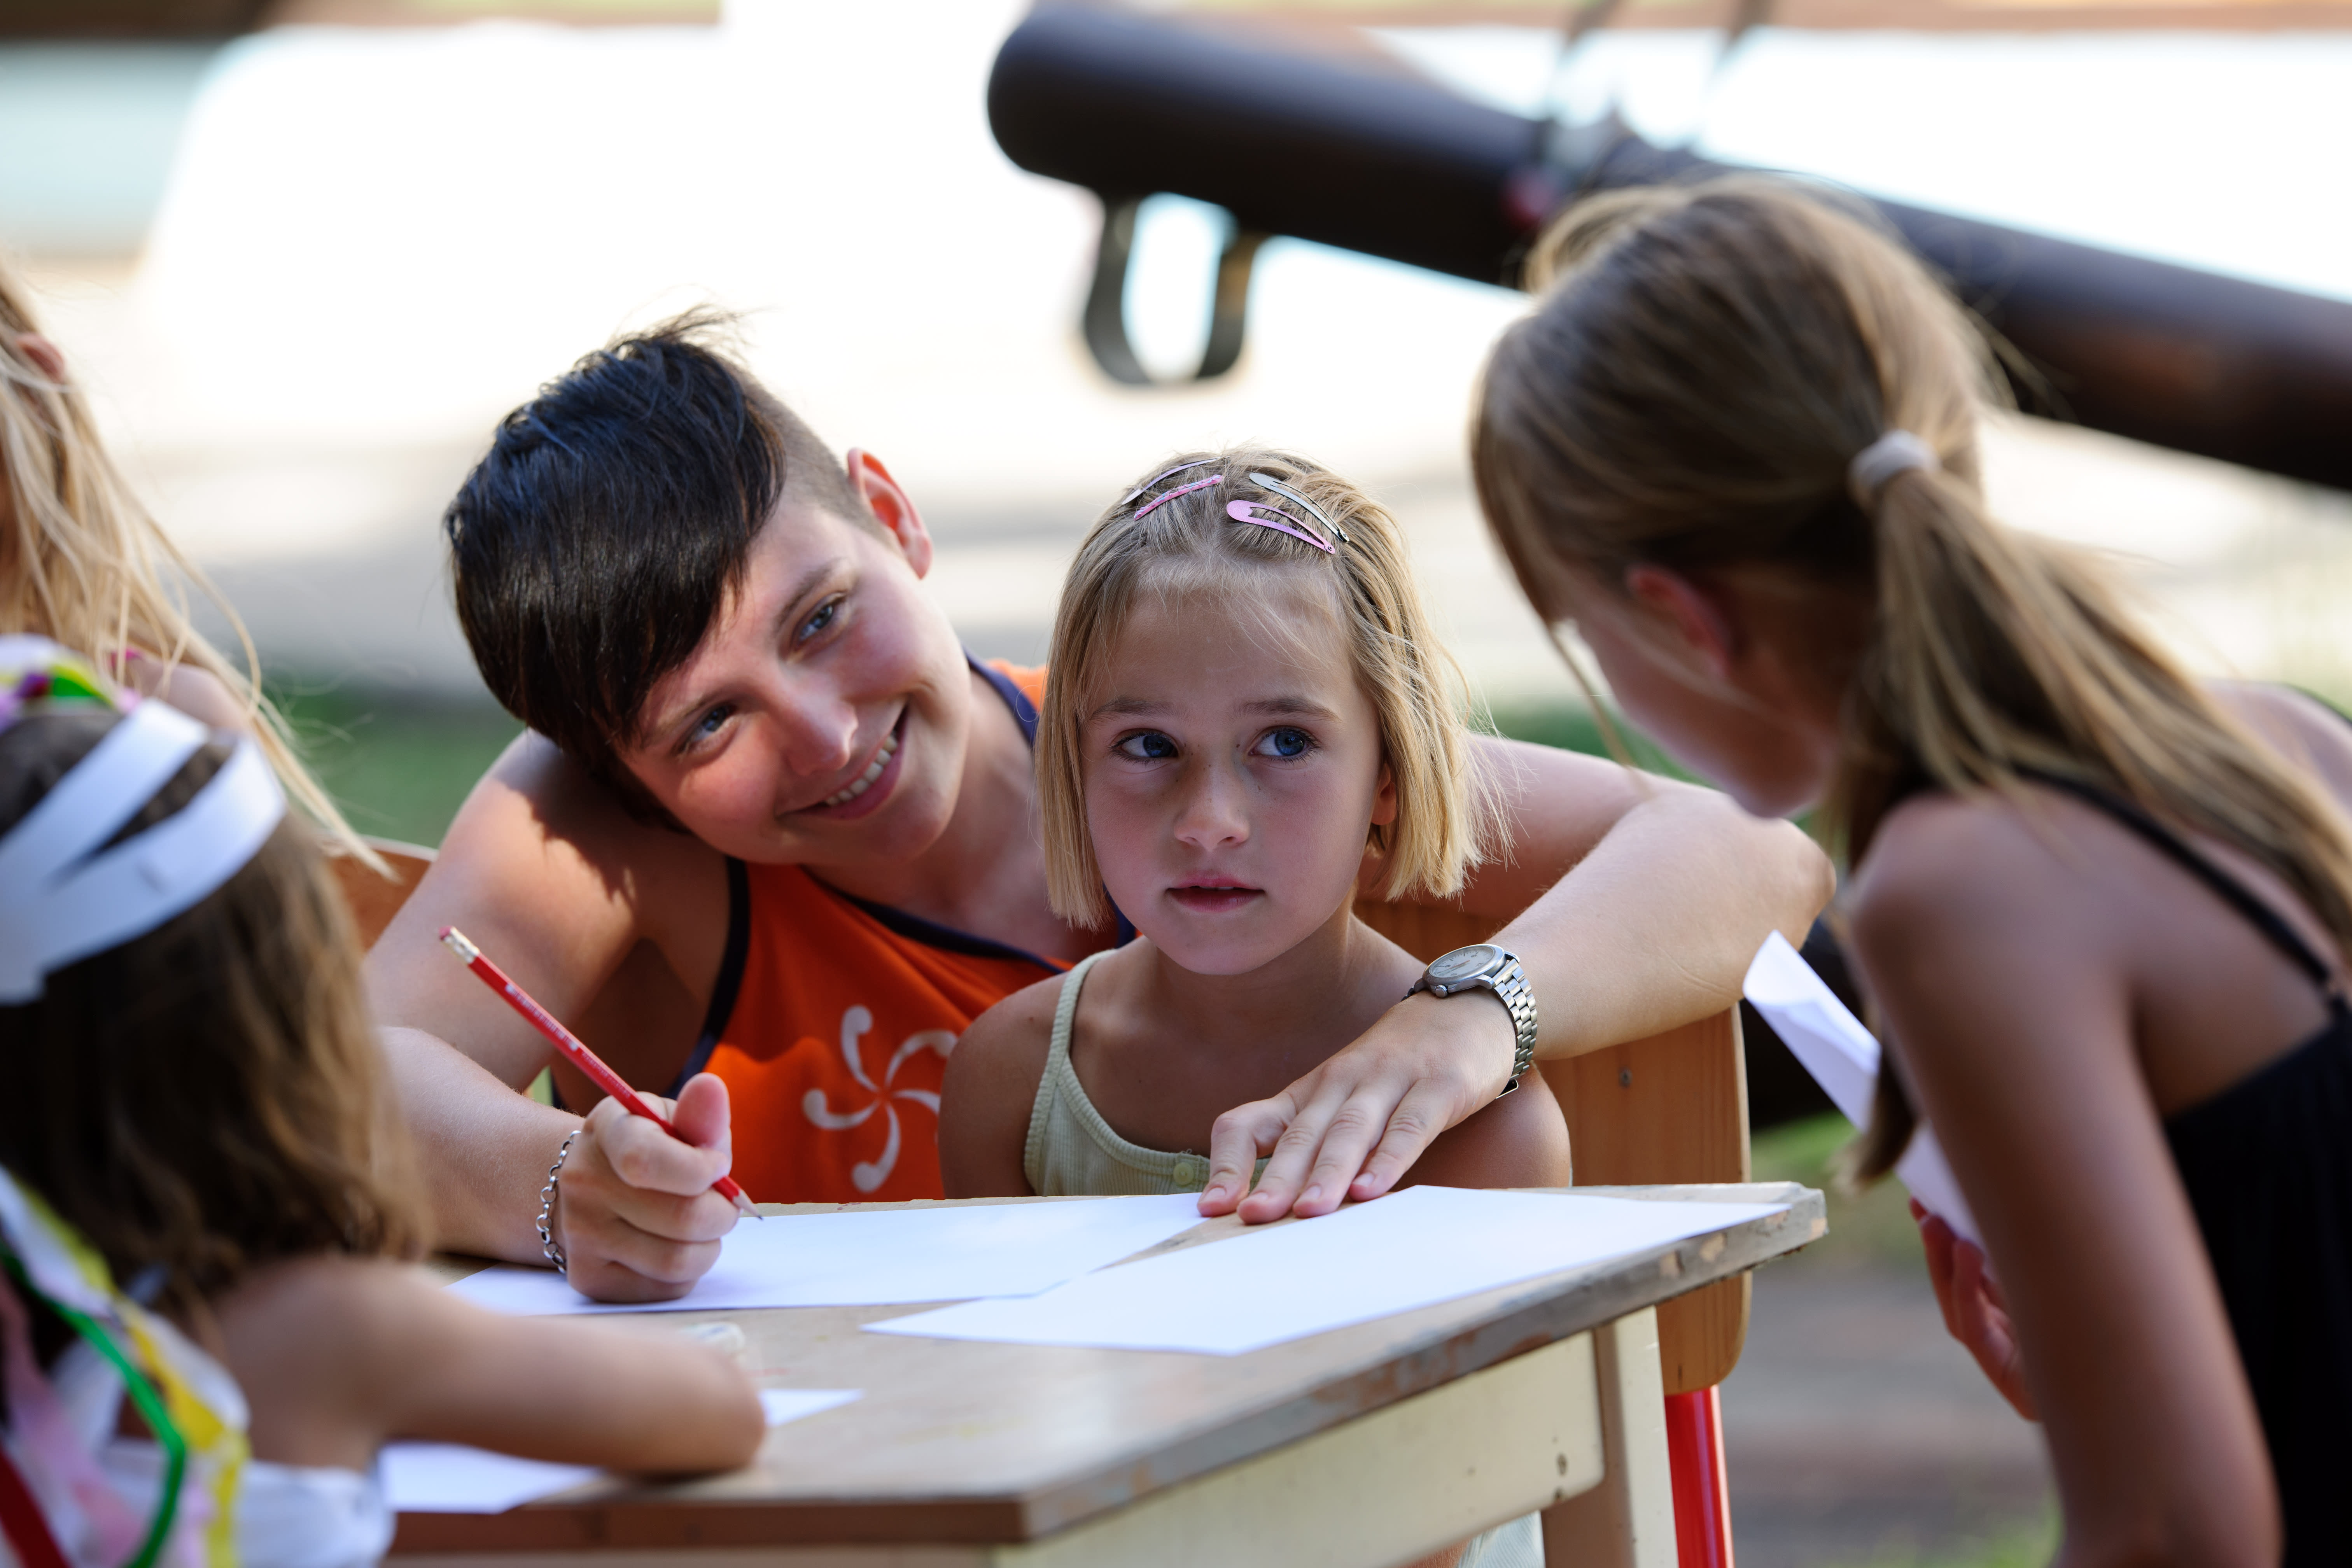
(1628, 1520)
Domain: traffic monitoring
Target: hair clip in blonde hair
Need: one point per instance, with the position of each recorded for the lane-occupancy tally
(1164, 497)
(1268, 482)
(1129, 500)
(1249, 510)
(1896, 452)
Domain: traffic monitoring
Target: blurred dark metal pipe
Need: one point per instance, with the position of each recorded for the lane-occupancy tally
(1383, 162)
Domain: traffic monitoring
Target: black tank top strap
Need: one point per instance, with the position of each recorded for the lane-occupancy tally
(2228, 888)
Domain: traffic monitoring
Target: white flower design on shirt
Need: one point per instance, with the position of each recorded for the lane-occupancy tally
(868, 1176)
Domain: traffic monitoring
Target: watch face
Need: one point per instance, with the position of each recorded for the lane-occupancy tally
(1463, 962)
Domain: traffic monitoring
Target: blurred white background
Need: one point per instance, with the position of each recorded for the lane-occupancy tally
(358, 246)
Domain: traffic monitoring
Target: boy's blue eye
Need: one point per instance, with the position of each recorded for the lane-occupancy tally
(827, 614)
(707, 725)
(1151, 746)
(1286, 743)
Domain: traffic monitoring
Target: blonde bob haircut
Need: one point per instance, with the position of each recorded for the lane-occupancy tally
(1189, 548)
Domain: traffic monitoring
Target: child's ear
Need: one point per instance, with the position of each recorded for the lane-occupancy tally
(1697, 615)
(891, 507)
(1384, 801)
(44, 355)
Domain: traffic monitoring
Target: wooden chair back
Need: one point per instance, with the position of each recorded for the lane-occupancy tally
(1667, 1108)
(374, 899)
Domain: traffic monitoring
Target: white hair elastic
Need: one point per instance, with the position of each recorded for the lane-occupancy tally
(1896, 452)
(63, 898)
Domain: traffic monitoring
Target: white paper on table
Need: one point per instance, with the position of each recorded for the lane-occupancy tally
(1842, 1056)
(880, 1255)
(451, 1478)
(1416, 1248)
(782, 1405)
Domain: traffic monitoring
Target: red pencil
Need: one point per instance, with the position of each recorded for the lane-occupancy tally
(575, 1053)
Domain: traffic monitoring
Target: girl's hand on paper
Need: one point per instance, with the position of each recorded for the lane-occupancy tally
(1974, 1311)
(634, 1211)
(1351, 1128)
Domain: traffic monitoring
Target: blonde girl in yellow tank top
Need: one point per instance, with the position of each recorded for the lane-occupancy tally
(1247, 722)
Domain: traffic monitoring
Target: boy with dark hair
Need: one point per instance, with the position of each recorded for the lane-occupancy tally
(771, 843)
(580, 583)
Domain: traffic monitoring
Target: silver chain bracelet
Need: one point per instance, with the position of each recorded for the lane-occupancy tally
(547, 1242)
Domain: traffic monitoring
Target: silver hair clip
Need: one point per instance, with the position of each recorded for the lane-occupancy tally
(1268, 482)
(1196, 463)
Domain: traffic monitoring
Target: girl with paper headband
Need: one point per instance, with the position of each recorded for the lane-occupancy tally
(82, 562)
(2103, 910)
(1248, 718)
(206, 1193)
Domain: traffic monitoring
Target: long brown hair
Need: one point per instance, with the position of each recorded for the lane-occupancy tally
(82, 563)
(1703, 366)
(209, 1097)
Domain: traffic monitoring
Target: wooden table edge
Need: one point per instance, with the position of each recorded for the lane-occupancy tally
(619, 1514)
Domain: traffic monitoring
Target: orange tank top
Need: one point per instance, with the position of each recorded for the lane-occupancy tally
(833, 1020)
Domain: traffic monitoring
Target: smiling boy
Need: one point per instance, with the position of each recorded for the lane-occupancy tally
(770, 822)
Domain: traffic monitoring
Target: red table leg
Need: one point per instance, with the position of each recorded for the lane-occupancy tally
(1702, 1499)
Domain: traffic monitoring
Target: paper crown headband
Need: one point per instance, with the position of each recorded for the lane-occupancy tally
(63, 897)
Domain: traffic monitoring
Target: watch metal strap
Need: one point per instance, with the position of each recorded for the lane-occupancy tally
(1509, 985)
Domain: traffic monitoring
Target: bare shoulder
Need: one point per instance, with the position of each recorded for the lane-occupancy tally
(309, 1341)
(1982, 924)
(1003, 1054)
(2299, 727)
(1943, 863)
(989, 1090)
(544, 865)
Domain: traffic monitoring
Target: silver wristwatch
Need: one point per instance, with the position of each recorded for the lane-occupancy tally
(1485, 967)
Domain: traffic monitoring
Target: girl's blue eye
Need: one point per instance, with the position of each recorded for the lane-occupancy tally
(1286, 743)
(1151, 746)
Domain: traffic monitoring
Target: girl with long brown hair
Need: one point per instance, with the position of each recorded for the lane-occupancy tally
(2102, 909)
(205, 1189)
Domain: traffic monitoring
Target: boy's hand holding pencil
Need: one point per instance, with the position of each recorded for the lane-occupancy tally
(645, 1195)
(639, 1216)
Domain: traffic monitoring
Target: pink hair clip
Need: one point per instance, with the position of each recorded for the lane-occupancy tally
(1246, 512)
(1166, 496)
(1195, 463)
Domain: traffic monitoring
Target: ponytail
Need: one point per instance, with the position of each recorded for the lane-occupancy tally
(1999, 658)
(1693, 391)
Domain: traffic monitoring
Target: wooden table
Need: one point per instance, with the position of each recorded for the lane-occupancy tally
(1366, 1445)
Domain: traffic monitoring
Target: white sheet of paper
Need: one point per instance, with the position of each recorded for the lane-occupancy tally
(856, 1258)
(1420, 1246)
(783, 1404)
(449, 1477)
(1842, 1056)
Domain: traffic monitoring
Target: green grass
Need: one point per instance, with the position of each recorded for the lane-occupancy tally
(1873, 1227)
(1573, 727)
(398, 767)
(2026, 1545)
